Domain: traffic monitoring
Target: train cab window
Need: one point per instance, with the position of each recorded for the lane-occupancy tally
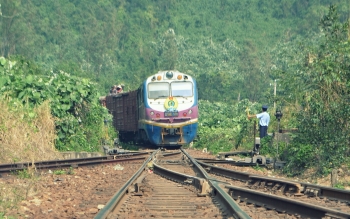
(182, 89)
(158, 90)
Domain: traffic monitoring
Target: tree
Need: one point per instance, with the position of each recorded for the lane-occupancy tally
(9, 11)
(323, 75)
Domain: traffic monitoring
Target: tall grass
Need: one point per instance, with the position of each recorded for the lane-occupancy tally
(26, 135)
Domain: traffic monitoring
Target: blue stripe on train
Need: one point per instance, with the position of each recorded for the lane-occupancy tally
(154, 134)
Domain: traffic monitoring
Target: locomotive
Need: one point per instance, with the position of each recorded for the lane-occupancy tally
(163, 111)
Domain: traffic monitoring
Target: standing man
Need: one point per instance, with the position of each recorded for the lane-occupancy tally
(264, 120)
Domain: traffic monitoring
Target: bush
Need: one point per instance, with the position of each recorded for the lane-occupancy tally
(73, 101)
(224, 126)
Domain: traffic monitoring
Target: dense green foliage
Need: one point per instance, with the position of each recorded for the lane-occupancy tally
(225, 127)
(73, 101)
(222, 126)
(225, 44)
(317, 71)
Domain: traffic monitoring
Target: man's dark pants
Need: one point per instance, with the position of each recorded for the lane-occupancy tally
(263, 133)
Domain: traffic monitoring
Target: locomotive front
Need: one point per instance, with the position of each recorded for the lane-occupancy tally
(168, 108)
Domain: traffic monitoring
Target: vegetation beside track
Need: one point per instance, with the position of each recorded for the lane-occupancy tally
(71, 104)
(314, 93)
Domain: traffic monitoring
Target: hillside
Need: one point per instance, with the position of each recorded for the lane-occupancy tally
(125, 41)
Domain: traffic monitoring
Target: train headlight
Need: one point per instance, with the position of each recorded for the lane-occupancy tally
(186, 77)
(169, 75)
(159, 77)
(190, 112)
(152, 113)
(185, 114)
(179, 77)
(157, 115)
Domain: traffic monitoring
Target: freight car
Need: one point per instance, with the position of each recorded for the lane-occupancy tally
(163, 111)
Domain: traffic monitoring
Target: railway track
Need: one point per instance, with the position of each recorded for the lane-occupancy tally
(163, 193)
(172, 184)
(162, 198)
(177, 187)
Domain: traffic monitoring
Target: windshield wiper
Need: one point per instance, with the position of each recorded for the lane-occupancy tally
(181, 96)
(160, 97)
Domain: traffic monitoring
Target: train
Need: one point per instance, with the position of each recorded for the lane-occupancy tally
(162, 112)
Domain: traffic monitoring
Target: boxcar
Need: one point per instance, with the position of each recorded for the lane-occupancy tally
(123, 108)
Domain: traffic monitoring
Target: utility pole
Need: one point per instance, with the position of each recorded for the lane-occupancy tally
(274, 93)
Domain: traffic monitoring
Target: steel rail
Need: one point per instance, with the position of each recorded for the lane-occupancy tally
(109, 157)
(242, 176)
(103, 213)
(203, 173)
(6, 168)
(283, 204)
(233, 153)
(231, 162)
(171, 154)
(325, 191)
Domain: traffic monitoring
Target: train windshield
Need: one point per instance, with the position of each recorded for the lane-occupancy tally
(158, 90)
(182, 89)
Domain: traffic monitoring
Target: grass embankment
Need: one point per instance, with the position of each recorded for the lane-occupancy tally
(25, 136)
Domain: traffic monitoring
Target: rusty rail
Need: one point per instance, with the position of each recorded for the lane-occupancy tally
(103, 213)
(6, 168)
(299, 188)
(283, 204)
